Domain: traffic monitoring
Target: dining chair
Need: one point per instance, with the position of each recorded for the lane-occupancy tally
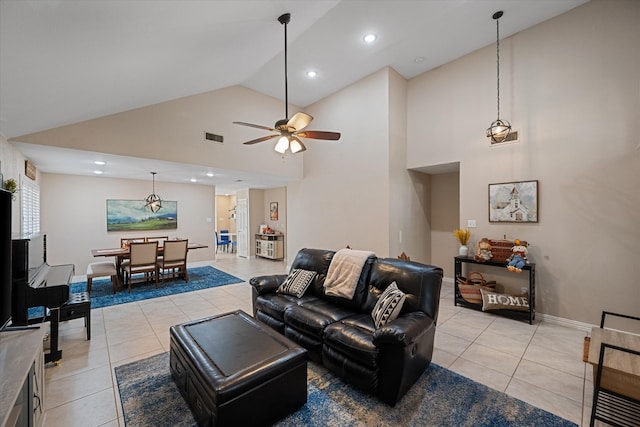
(226, 240)
(159, 239)
(220, 242)
(174, 259)
(127, 240)
(142, 260)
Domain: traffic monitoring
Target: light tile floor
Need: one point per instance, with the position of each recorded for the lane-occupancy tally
(540, 364)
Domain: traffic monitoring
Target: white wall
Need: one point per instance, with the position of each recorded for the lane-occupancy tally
(344, 196)
(571, 86)
(74, 215)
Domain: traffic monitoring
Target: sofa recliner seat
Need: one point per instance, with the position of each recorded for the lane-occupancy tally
(341, 333)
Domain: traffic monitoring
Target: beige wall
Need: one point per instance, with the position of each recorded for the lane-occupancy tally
(224, 206)
(174, 131)
(344, 196)
(445, 217)
(13, 167)
(571, 86)
(73, 214)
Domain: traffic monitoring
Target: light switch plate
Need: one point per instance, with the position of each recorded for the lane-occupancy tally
(471, 223)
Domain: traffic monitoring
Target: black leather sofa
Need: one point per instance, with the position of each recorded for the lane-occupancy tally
(341, 334)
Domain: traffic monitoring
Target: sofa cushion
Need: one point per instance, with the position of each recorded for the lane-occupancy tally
(275, 304)
(297, 282)
(311, 317)
(388, 306)
(353, 337)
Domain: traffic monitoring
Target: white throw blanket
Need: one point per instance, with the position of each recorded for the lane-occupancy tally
(344, 272)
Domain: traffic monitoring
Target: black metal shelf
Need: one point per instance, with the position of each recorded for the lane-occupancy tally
(521, 315)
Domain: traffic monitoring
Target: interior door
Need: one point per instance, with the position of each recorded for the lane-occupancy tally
(242, 223)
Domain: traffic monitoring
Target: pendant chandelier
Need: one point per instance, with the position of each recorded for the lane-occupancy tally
(153, 201)
(499, 129)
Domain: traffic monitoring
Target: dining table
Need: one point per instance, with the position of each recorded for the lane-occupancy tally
(122, 253)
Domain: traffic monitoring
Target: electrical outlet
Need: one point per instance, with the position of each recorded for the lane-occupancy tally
(471, 223)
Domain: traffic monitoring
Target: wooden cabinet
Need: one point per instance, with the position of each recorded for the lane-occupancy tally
(530, 268)
(270, 246)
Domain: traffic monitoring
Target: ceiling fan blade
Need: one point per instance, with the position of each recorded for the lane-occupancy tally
(296, 145)
(251, 125)
(318, 134)
(299, 121)
(264, 138)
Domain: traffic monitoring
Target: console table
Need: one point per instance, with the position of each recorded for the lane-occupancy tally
(270, 246)
(22, 377)
(523, 315)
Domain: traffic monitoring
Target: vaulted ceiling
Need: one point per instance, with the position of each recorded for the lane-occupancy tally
(64, 61)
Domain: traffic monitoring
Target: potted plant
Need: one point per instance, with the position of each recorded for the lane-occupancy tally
(12, 187)
(463, 238)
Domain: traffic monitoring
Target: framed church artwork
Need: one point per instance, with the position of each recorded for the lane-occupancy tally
(513, 202)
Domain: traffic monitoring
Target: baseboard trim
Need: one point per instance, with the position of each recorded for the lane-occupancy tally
(555, 320)
(566, 322)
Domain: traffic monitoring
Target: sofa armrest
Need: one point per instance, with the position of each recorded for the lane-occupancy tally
(404, 330)
(267, 284)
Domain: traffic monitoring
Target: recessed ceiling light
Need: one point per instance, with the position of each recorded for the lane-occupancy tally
(370, 38)
(193, 180)
(99, 162)
(419, 60)
(98, 172)
(209, 174)
(311, 74)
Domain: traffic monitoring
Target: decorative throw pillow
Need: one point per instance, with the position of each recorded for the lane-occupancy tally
(388, 306)
(496, 301)
(297, 282)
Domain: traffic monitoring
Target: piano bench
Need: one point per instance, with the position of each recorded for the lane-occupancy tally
(102, 269)
(78, 305)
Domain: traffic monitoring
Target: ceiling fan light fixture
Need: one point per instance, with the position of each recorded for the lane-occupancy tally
(296, 146)
(282, 145)
(499, 129)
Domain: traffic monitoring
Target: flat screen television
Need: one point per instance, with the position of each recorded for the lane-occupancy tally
(5, 259)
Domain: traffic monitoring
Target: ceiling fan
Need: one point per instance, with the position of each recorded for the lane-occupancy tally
(290, 130)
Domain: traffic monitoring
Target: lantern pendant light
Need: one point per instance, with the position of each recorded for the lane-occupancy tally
(153, 201)
(499, 129)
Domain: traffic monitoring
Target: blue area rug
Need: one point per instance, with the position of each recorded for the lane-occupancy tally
(439, 398)
(102, 292)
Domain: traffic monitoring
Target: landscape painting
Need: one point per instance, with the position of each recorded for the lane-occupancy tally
(131, 215)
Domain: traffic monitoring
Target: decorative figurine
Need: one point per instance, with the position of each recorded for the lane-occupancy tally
(484, 250)
(518, 258)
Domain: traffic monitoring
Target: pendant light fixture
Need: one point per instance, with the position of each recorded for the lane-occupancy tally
(499, 129)
(153, 201)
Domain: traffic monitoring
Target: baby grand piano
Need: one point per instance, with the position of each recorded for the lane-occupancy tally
(38, 284)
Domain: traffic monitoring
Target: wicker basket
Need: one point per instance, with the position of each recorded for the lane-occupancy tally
(469, 287)
(501, 249)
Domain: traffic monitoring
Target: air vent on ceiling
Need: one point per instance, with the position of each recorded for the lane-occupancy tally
(514, 136)
(213, 137)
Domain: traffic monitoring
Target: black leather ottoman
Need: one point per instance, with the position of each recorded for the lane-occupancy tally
(233, 370)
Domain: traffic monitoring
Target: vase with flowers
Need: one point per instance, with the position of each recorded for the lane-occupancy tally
(463, 238)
